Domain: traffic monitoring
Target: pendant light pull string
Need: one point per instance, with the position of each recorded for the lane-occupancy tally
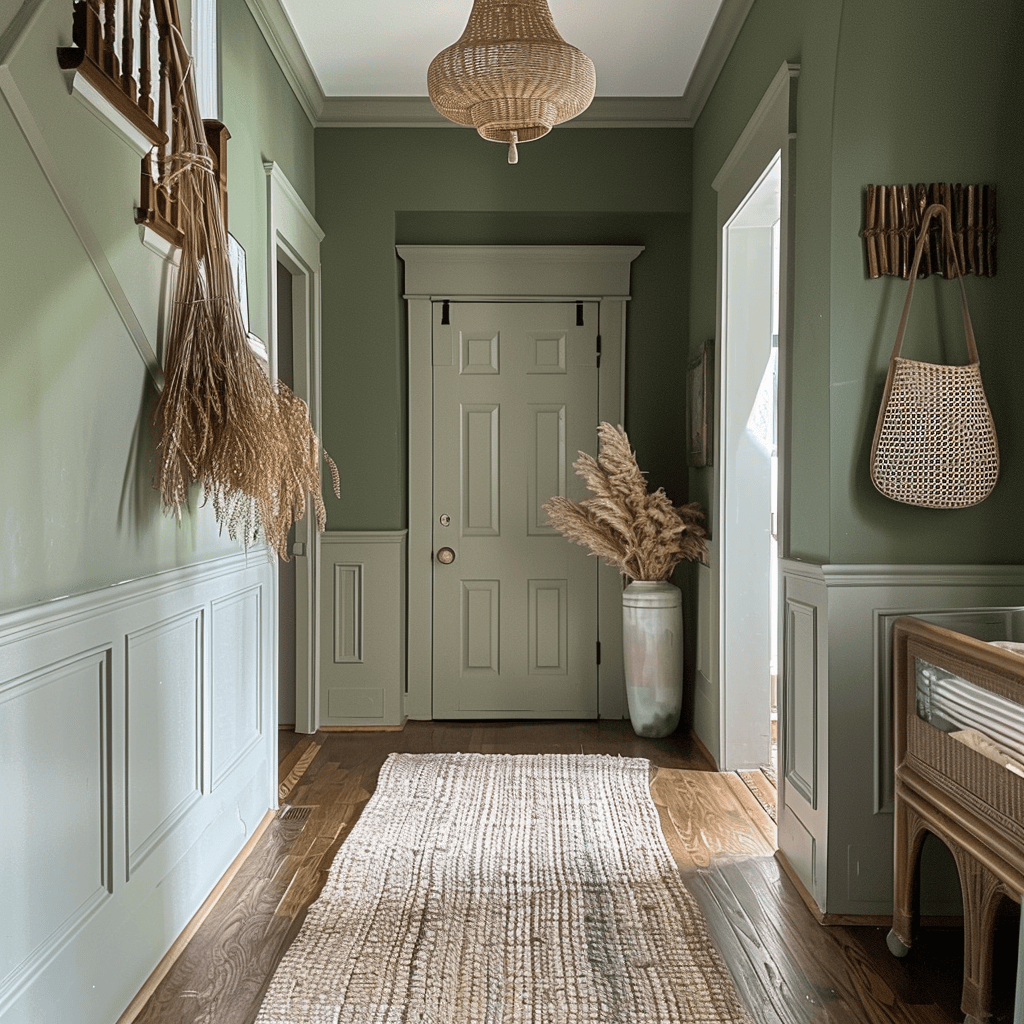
(513, 152)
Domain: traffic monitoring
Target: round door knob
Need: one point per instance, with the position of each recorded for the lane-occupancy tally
(446, 556)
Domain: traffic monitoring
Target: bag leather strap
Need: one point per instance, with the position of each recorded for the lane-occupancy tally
(922, 240)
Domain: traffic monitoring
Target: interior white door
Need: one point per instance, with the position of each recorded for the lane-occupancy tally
(515, 395)
(748, 363)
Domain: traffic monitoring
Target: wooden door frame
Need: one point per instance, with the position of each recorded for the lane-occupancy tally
(481, 273)
(293, 238)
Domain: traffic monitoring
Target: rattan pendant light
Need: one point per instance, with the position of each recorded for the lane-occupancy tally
(511, 76)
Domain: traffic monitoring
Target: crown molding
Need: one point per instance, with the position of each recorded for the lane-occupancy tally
(633, 112)
(380, 112)
(277, 30)
(417, 111)
(717, 47)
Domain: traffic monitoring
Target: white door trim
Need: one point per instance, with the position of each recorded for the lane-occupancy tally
(293, 238)
(505, 273)
(771, 131)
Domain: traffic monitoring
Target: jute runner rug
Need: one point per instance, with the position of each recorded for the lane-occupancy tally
(504, 889)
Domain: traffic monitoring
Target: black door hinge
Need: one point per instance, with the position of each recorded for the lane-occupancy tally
(579, 314)
(445, 314)
(599, 652)
(599, 351)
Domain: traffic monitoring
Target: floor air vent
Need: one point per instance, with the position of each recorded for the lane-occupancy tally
(290, 813)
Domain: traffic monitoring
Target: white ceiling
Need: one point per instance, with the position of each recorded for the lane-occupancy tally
(383, 47)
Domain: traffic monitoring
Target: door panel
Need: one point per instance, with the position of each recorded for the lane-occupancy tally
(480, 470)
(549, 465)
(515, 614)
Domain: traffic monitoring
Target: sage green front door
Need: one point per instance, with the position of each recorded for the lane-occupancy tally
(515, 609)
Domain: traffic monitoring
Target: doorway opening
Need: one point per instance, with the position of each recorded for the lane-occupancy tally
(286, 668)
(294, 242)
(773, 543)
(749, 506)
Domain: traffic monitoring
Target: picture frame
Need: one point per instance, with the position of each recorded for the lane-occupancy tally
(699, 399)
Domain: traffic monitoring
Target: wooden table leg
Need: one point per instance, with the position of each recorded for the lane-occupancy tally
(1018, 999)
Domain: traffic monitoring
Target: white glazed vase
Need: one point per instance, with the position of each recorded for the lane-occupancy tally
(652, 648)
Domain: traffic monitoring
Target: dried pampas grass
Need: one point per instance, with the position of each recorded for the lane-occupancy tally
(219, 420)
(642, 535)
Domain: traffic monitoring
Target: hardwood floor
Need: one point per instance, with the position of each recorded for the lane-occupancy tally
(788, 968)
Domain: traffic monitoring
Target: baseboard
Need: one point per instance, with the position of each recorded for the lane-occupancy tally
(163, 968)
(364, 728)
(856, 920)
(789, 871)
(699, 745)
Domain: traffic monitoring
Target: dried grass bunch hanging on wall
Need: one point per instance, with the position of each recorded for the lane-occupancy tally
(642, 535)
(220, 421)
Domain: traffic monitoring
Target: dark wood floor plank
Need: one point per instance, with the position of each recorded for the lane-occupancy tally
(788, 969)
(308, 878)
(851, 989)
(294, 765)
(793, 946)
(705, 820)
(767, 986)
(287, 740)
(213, 964)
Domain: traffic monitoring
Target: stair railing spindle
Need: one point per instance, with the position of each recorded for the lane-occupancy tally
(128, 85)
(109, 63)
(145, 74)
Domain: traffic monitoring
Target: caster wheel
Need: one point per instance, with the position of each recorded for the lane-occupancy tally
(896, 945)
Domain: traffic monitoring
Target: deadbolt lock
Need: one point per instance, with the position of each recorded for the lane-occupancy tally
(446, 556)
(445, 520)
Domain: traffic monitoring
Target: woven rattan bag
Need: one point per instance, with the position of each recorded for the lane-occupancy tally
(935, 443)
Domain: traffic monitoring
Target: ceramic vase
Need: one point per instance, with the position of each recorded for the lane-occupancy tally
(652, 646)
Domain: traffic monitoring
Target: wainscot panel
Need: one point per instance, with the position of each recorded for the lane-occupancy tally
(803, 733)
(362, 628)
(137, 756)
(851, 753)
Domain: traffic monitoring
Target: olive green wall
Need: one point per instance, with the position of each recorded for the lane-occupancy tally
(776, 31)
(379, 187)
(266, 123)
(924, 92)
(889, 92)
(76, 403)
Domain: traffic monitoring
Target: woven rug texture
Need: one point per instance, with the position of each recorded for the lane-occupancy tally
(504, 889)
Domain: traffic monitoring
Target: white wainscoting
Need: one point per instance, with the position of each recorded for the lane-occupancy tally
(804, 724)
(835, 823)
(137, 757)
(362, 628)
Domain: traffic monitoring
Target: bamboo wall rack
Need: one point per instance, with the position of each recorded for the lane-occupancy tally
(892, 219)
